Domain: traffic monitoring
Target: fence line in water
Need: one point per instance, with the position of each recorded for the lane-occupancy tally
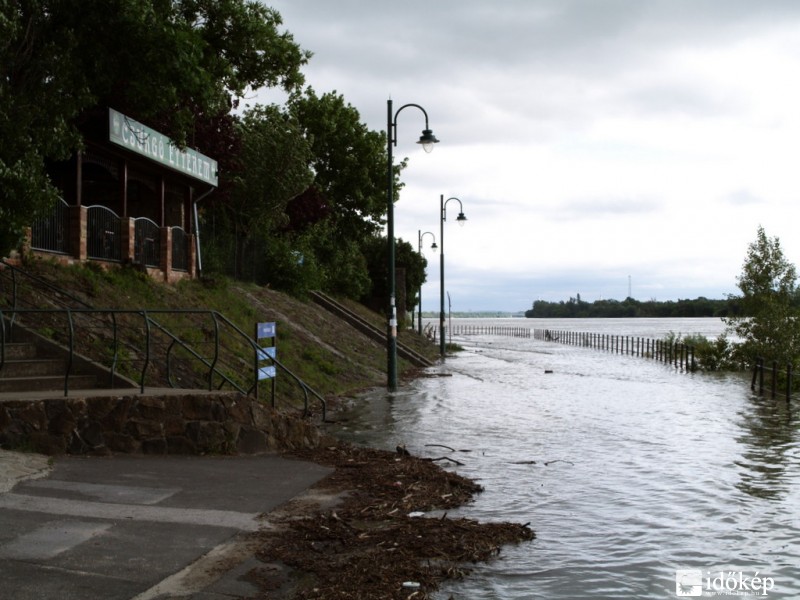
(504, 330)
(778, 377)
(677, 353)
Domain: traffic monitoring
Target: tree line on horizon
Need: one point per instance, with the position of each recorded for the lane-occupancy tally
(764, 317)
(631, 308)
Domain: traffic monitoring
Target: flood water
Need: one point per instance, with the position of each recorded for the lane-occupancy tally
(627, 470)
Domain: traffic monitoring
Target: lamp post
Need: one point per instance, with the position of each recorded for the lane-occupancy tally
(427, 139)
(461, 220)
(419, 248)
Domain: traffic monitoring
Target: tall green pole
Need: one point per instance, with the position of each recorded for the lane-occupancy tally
(391, 332)
(442, 217)
(427, 140)
(461, 219)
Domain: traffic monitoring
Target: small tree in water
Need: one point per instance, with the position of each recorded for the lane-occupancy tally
(769, 326)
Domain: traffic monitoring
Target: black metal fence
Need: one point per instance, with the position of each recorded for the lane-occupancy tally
(667, 351)
(103, 233)
(147, 242)
(502, 330)
(52, 232)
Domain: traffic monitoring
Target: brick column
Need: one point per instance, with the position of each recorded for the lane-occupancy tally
(128, 233)
(191, 254)
(78, 222)
(165, 237)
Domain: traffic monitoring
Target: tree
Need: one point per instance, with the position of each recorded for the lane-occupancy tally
(274, 160)
(178, 65)
(349, 163)
(40, 96)
(768, 282)
(408, 261)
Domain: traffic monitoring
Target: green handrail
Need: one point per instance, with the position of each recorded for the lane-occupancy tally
(148, 323)
(212, 365)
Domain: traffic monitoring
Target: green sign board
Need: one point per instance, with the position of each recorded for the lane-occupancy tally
(139, 138)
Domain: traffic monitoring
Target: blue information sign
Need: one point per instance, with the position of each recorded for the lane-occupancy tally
(266, 330)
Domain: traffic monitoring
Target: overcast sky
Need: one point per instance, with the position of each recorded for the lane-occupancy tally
(594, 144)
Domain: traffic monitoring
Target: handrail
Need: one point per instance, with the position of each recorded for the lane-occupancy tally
(216, 317)
(115, 355)
(277, 363)
(148, 321)
(147, 347)
(71, 351)
(39, 281)
(46, 284)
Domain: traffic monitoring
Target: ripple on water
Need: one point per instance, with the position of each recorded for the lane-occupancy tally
(626, 469)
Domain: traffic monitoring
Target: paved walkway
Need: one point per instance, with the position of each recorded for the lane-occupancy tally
(138, 528)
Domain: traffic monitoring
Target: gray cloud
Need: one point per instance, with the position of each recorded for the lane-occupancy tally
(587, 136)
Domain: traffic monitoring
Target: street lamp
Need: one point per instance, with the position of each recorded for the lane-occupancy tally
(427, 139)
(419, 248)
(461, 220)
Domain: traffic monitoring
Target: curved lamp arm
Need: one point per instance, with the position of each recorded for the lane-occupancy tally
(461, 219)
(427, 139)
(434, 247)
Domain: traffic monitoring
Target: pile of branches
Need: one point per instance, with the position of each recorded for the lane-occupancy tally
(377, 542)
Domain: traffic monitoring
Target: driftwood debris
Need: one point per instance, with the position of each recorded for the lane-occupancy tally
(368, 545)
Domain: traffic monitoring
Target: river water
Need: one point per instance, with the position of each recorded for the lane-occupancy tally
(636, 477)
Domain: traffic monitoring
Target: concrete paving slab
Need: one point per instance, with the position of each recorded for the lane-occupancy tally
(126, 527)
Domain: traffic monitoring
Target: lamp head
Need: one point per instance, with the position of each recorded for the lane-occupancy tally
(461, 219)
(434, 247)
(427, 139)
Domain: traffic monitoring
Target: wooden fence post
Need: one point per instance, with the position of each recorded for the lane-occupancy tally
(774, 382)
(788, 382)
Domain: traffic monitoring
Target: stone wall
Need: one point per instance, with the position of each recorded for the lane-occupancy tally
(177, 423)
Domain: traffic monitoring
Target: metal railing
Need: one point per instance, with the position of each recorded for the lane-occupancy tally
(666, 351)
(210, 347)
(147, 242)
(103, 233)
(51, 233)
(498, 330)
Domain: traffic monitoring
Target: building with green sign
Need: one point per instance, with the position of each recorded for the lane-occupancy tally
(129, 197)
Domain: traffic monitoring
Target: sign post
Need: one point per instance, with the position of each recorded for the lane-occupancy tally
(268, 353)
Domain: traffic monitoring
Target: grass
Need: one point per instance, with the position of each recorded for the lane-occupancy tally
(329, 355)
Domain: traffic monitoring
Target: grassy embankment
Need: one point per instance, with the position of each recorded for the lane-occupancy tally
(329, 355)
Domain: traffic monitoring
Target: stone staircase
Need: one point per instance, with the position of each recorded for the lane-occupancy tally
(33, 363)
(26, 370)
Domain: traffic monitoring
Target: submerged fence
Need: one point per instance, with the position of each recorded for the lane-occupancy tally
(676, 353)
(778, 377)
(464, 329)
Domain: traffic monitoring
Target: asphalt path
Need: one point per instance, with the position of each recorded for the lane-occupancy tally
(142, 528)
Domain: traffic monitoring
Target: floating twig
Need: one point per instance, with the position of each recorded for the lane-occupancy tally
(440, 446)
(452, 460)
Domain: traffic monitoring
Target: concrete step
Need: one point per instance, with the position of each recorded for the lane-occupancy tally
(43, 383)
(31, 367)
(19, 351)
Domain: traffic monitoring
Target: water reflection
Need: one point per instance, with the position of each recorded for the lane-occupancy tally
(769, 438)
